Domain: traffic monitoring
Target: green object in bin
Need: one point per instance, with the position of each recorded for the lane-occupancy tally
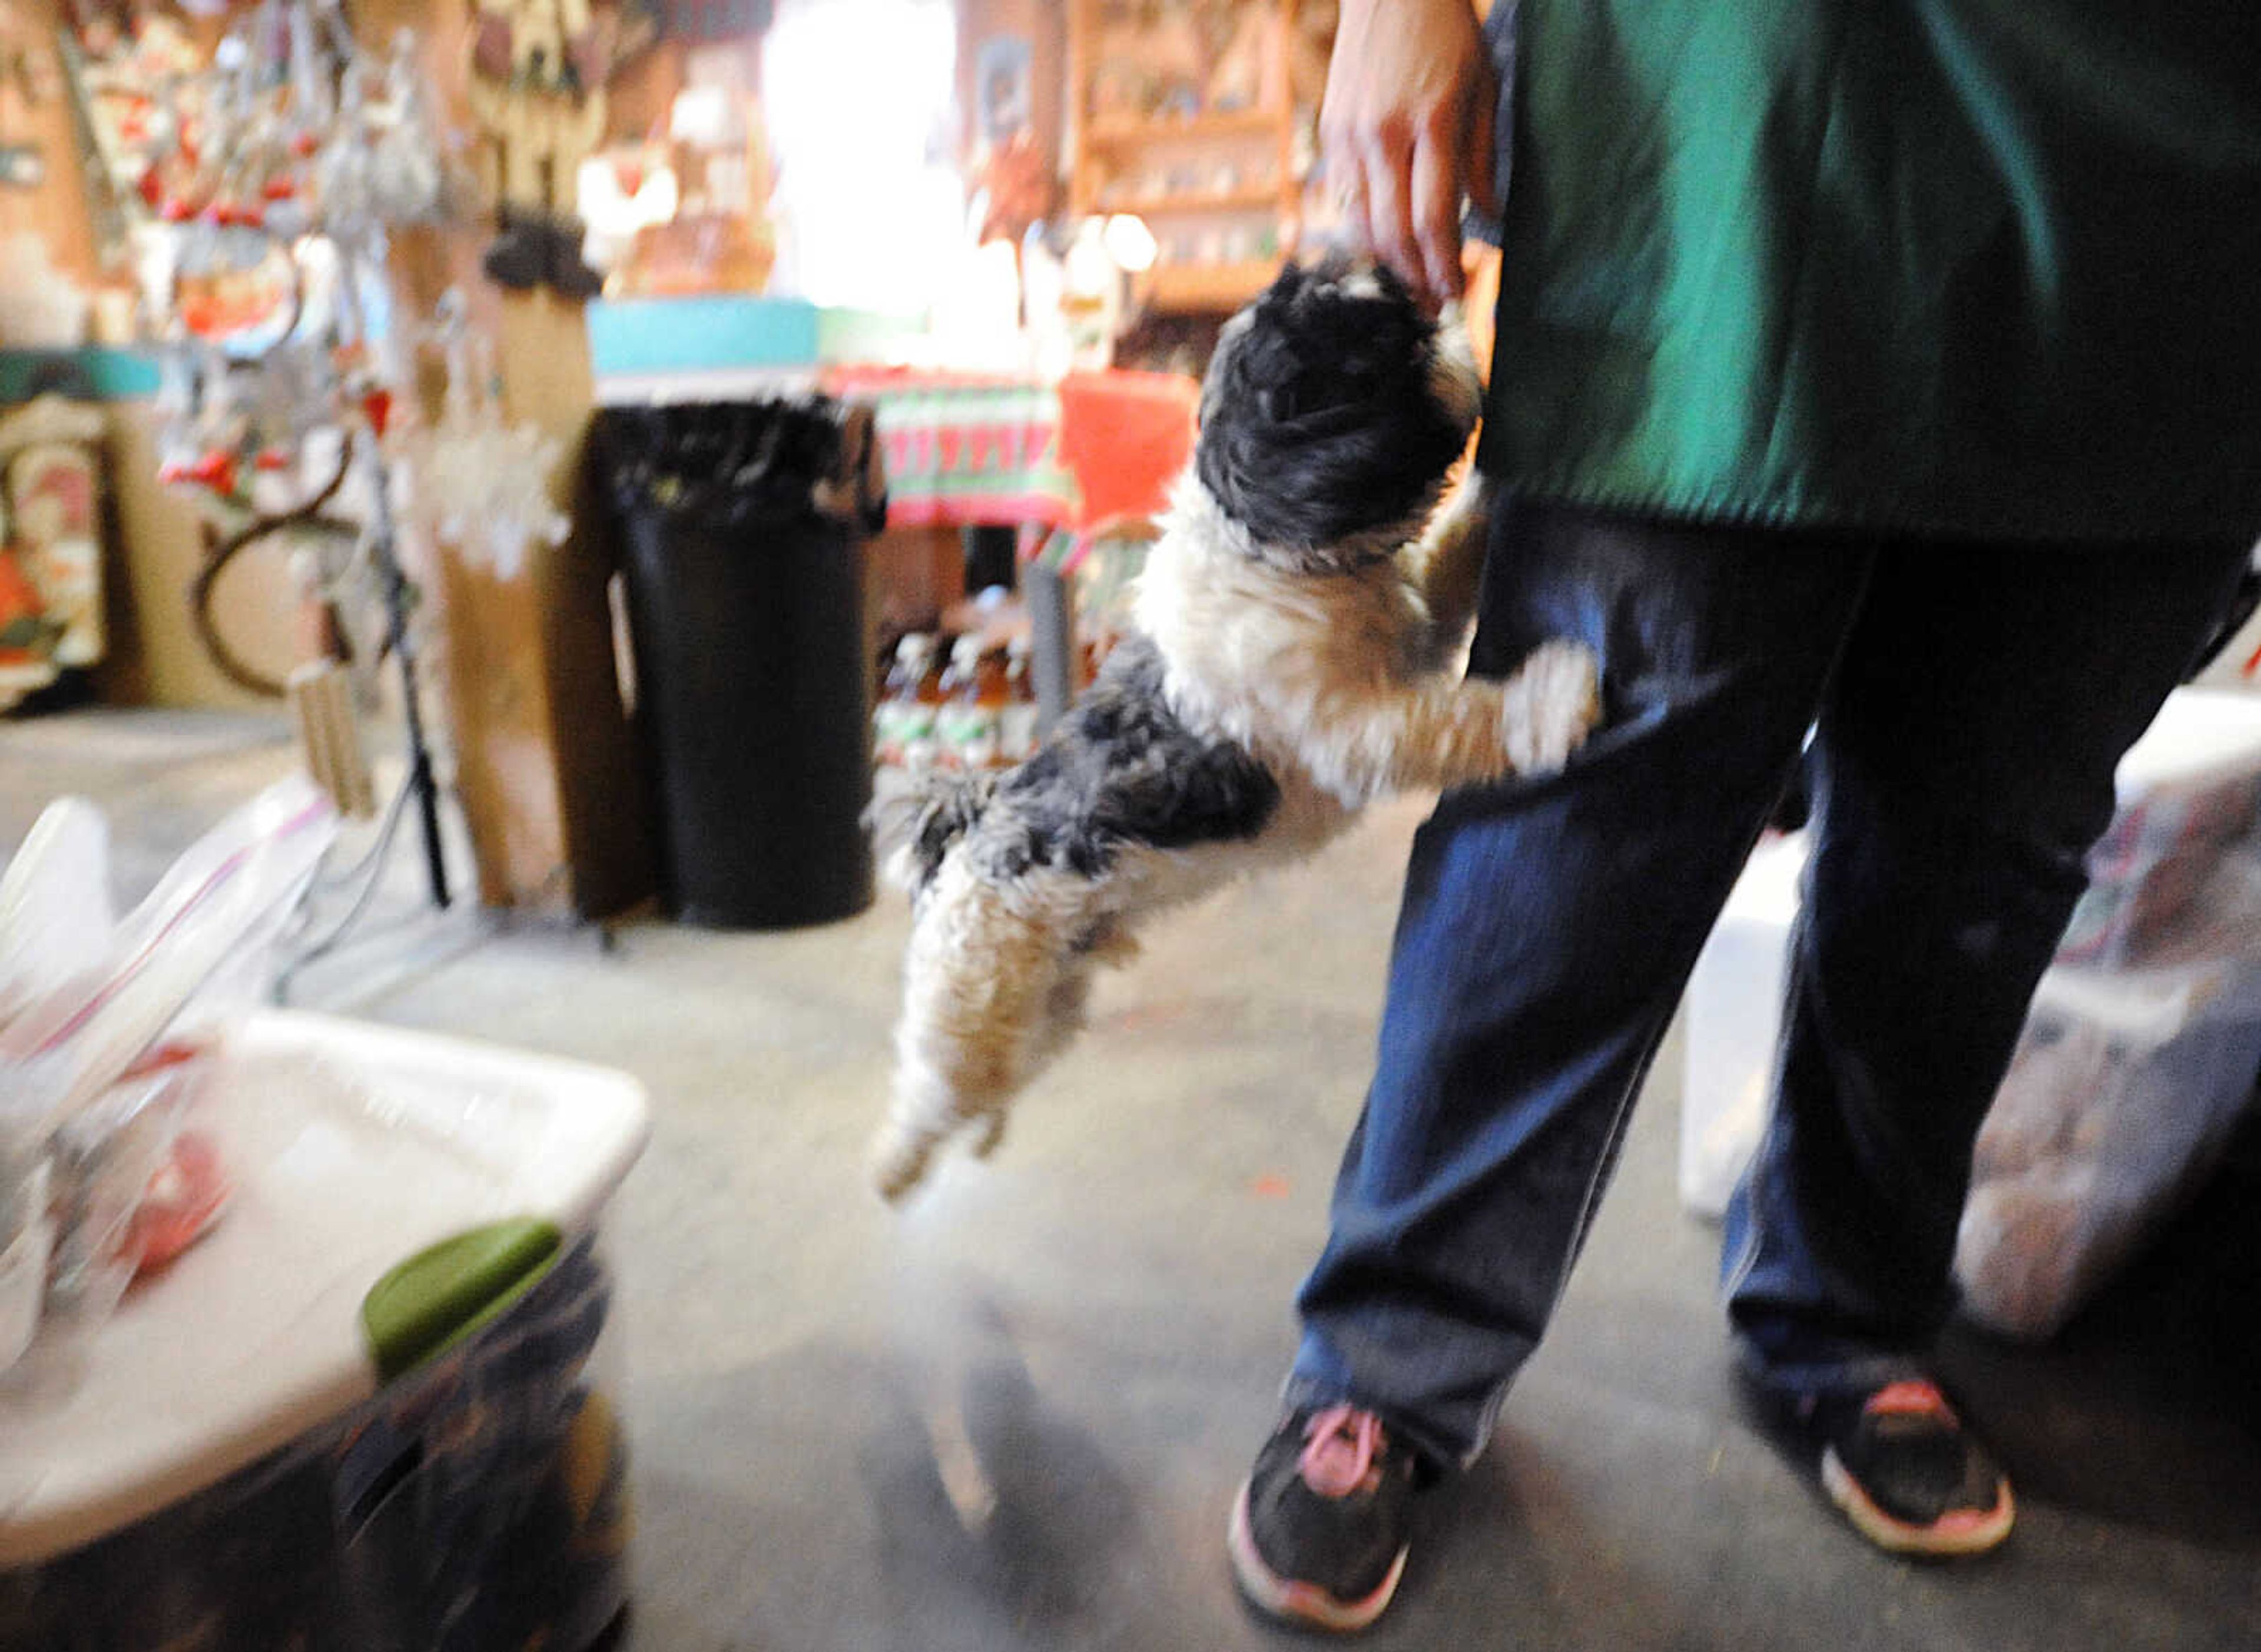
(441, 1295)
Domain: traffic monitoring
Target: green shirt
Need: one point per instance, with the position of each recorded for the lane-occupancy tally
(1956, 266)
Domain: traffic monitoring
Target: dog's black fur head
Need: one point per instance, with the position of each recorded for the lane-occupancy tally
(1331, 412)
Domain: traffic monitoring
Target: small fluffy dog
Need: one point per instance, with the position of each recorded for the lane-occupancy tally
(1293, 659)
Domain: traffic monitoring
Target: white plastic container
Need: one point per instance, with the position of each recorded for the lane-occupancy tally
(1735, 1021)
(256, 1447)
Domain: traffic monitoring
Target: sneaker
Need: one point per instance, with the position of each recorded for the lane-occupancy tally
(1319, 1530)
(1900, 1463)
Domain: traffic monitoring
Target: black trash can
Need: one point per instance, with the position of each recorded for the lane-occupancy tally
(743, 525)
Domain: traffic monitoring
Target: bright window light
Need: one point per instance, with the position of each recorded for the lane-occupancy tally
(859, 98)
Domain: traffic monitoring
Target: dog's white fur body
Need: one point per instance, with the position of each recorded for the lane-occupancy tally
(1341, 684)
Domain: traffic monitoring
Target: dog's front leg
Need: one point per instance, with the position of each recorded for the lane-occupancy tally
(1449, 558)
(1441, 732)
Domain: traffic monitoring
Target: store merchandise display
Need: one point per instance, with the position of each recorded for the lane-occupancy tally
(976, 712)
(51, 604)
(1198, 115)
(281, 170)
(27, 79)
(537, 91)
(480, 483)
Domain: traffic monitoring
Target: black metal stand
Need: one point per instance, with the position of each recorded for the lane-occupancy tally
(421, 781)
(419, 785)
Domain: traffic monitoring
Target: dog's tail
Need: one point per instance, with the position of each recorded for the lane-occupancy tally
(912, 826)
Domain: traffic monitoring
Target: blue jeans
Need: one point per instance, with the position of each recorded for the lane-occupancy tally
(1968, 704)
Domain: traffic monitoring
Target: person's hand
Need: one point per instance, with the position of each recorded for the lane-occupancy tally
(1406, 128)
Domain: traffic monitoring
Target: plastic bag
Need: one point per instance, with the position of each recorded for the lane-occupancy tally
(97, 1179)
(2125, 1090)
(55, 910)
(733, 465)
(233, 887)
(2177, 876)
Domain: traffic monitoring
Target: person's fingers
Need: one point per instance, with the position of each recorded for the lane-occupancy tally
(1481, 166)
(1389, 202)
(1349, 185)
(1343, 156)
(1436, 203)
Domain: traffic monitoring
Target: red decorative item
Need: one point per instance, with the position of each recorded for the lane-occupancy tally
(377, 407)
(19, 601)
(216, 470)
(271, 459)
(183, 1198)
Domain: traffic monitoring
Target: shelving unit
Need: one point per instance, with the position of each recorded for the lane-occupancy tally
(1221, 189)
(1114, 131)
(1210, 288)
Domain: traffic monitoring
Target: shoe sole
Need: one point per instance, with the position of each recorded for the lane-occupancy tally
(1964, 1532)
(1288, 1600)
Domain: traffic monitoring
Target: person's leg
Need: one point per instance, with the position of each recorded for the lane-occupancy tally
(1964, 765)
(1547, 930)
(1964, 758)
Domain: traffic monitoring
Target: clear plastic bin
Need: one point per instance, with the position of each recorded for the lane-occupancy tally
(289, 1439)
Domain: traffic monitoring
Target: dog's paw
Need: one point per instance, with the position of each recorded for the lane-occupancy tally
(988, 1133)
(1552, 703)
(899, 1163)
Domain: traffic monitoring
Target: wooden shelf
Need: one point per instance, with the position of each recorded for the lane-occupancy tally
(1249, 200)
(1115, 131)
(1209, 289)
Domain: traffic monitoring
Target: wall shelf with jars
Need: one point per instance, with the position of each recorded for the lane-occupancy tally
(1194, 115)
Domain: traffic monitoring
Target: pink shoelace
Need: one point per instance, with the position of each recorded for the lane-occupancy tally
(1342, 1451)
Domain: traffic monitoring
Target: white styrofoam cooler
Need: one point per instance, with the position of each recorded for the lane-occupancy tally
(353, 1148)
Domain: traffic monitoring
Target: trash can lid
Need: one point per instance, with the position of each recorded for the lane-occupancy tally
(354, 1149)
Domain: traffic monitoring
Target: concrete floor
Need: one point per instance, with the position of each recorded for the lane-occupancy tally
(1091, 1330)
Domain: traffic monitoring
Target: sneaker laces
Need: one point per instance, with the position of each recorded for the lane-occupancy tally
(1342, 1452)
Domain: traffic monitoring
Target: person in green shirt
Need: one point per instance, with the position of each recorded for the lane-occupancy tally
(1883, 371)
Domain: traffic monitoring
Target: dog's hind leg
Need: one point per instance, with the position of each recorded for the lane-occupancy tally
(976, 998)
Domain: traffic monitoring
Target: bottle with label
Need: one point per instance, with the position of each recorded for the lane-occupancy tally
(968, 720)
(1016, 725)
(902, 727)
